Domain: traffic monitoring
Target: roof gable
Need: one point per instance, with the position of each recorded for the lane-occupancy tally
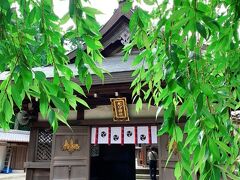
(115, 33)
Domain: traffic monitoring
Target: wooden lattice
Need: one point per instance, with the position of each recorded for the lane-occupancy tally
(44, 145)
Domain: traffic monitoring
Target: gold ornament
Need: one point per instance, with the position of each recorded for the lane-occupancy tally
(70, 146)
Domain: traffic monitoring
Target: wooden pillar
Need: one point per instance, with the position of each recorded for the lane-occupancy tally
(144, 150)
(31, 153)
(80, 114)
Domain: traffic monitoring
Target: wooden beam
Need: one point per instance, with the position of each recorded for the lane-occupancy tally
(104, 122)
(110, 122)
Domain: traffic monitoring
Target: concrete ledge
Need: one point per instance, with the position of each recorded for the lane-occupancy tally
(12, 176)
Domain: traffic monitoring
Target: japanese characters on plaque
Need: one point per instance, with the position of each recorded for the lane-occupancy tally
(119, 108)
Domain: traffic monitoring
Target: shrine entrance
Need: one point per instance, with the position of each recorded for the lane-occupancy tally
(110, 162)
(119, 152)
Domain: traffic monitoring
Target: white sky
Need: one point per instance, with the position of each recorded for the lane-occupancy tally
(107, 7)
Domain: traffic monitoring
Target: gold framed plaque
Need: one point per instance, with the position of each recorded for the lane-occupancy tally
(119, 108)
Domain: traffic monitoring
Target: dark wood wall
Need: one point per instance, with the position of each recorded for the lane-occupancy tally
(19, 157)
(36, 169)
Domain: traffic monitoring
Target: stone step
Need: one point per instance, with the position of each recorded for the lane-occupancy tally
(144, 171)
(144, 176)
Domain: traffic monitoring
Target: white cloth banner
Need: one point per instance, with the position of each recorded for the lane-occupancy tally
(129, 135)
(142, 135)
(116, 135)
(93, 135)
(103, 135)
(154, 134)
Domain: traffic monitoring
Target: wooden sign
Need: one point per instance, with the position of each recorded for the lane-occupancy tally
(119, 108)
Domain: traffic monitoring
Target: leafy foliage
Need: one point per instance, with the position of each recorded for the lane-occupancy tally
(30, 36)
(189, 63)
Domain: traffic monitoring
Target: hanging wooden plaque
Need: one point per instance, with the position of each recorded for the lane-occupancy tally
(119, 108)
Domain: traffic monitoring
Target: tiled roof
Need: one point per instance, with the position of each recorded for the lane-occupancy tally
(14, 136)
(111, 65)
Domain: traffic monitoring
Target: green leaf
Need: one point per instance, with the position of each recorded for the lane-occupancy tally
(209, 123)
(72, 85)
(206, 89)
(16, 96)
(214, 149)
(187, 104)
(133, 22)
(65, 18)
(139, 58)
(223, 146)
(65, 70)
(91, 11)
(200, 158)
(210, 119)
(149, 2)
(143, 17)
(180, 23)
(127, 6)
(5, 5)
(72, 8)
(92, 43)
(8, 110)
(216, 173)
(93, 66)
(201, 29)
(164, 128)
(60, 104)
(169, 157)
(193, 134)
(51, 116)
(77, 88)
(43, 104)
(177, 170)
(179, 13)
(139, 104)
(62, 119)
(88, 82)
(81, 101)
(52, 88)
(72, 100)
(199, 103)
(146, 40)
(26, 75)
(40, 75)
(211, 23)
(229, 174)
(179, 134)
(52, 120)
(31, 16)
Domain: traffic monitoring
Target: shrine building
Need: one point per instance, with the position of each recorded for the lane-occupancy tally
(110, 141)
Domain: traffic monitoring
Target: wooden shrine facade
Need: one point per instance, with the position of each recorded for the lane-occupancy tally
(73, 153)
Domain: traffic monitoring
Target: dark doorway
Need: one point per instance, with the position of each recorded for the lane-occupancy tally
(114, 162)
